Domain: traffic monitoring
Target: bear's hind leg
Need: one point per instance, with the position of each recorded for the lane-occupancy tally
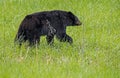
(34, 40)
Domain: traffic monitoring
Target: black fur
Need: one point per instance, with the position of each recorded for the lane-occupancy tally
(48, 23)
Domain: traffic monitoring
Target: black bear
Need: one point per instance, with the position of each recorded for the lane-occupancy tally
(47, 23)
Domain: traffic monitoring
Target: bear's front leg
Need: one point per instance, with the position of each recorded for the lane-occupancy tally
(50, 35)
(63, 37)
(50, 39)
(69, 39)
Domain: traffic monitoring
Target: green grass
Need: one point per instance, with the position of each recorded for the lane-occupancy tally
(95, 52)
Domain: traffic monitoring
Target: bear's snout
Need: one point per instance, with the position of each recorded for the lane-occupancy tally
(78, 23)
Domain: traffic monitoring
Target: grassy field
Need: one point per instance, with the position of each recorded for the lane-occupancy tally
(95, 52)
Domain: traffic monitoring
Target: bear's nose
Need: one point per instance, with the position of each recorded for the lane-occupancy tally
(78, 23)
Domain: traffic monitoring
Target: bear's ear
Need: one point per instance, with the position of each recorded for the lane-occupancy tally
(71, 15)
(28, 16)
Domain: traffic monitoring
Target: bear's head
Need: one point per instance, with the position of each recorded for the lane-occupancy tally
(73, 19)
